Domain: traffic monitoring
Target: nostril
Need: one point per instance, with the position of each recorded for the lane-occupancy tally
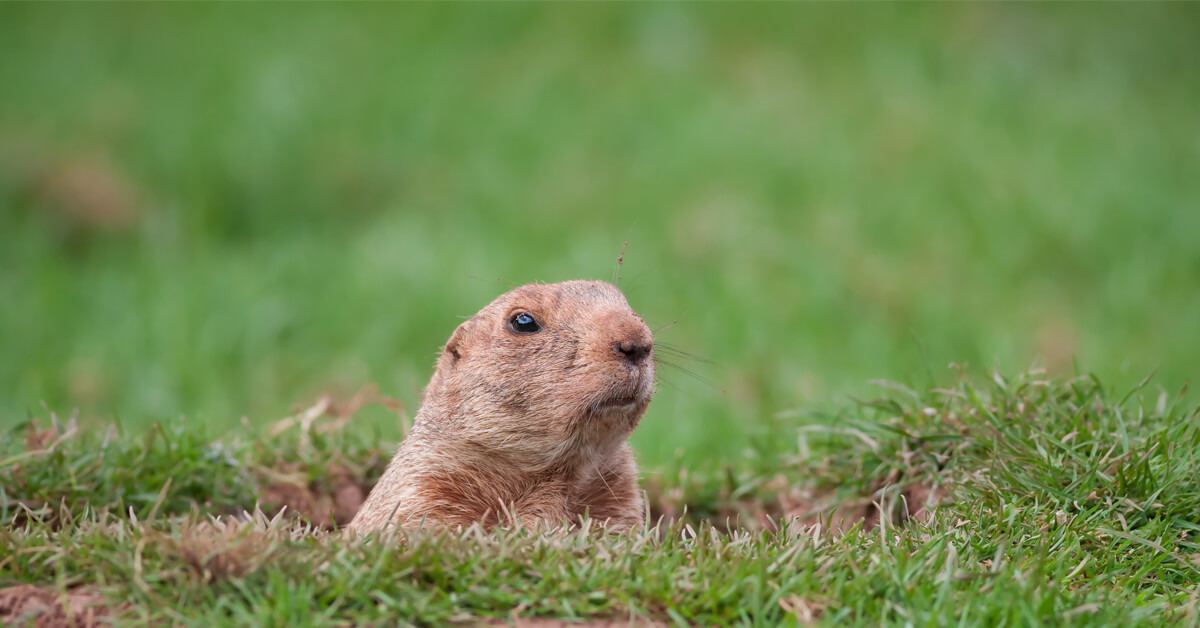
(633, 350)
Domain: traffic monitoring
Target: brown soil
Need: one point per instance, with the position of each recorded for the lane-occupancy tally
(337, 502)
(45, 608)
(914, 502)
(781, 501)
(542, 622)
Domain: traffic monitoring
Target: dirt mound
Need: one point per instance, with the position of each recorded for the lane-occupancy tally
(542, 622)
(47, 608)
(335, 500)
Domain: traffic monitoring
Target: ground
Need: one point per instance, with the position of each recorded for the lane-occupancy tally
(1029, 501)
(216, 216)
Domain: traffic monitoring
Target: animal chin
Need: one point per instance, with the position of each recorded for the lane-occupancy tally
(627, 404)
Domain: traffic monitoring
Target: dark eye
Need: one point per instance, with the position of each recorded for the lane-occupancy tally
(523, 323)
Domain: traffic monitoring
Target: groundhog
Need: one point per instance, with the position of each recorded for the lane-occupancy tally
(526, 418)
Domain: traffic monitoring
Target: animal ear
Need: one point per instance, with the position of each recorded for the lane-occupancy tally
(456, 347)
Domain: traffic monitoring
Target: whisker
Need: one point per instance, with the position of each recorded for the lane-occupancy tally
(667, 326)
(677, 352)
(689, 373)
(662, 380)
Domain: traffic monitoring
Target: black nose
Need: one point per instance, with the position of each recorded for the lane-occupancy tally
(635, 351)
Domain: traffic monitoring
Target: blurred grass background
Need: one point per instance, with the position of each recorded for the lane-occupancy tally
(221, 211)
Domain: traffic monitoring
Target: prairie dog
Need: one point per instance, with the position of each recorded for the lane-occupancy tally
(526, 417)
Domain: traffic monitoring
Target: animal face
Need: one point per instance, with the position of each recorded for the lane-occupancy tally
(548, 365)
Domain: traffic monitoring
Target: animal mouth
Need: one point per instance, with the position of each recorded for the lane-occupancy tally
(622, 403)
(619, 403)
(630, 398)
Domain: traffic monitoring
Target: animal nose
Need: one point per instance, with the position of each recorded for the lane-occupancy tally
(635, 350)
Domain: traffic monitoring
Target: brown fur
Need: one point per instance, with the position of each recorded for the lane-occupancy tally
(527, 428)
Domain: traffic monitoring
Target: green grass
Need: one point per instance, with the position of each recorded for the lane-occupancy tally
(211, 215)
(1067, 503)
(820, 195)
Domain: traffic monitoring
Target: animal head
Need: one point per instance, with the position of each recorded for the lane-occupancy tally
(544, 368)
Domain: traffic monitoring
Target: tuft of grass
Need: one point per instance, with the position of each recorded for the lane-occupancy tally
(1059, 502)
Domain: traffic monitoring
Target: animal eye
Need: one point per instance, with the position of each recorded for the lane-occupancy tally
(523, 323)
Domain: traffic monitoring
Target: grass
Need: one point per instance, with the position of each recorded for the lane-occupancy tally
(222, 211)
(1062, 502)
(215, 217)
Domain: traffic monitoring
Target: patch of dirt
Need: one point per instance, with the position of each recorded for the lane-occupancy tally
(543, 622)
(336, 502)
(220, 551)
(781, 500)
(921, 499)
(336, 498)
(913, 502)
(45, 608)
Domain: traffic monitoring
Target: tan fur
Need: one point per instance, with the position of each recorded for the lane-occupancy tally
(527, 429)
